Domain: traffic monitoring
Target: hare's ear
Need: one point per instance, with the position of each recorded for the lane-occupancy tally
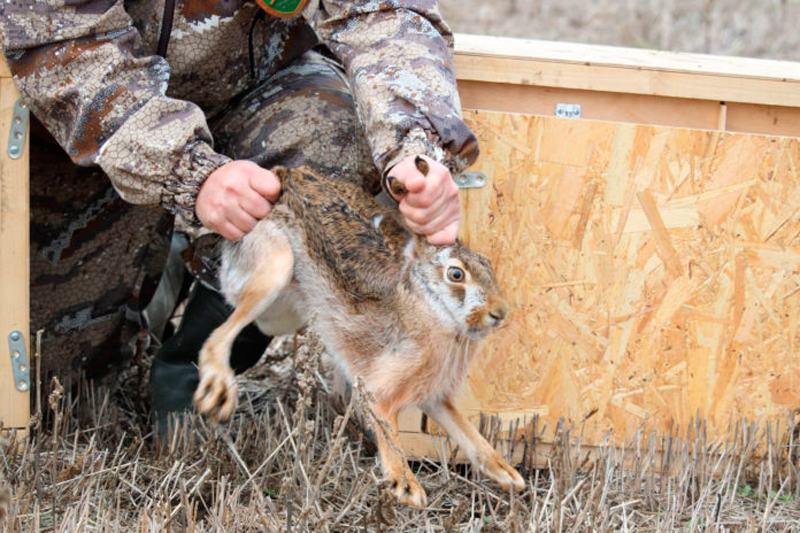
(421, 165)
(410, 251)
(417, 247)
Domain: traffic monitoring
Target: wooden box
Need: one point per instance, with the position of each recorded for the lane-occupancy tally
(649, 249)
(14, 270)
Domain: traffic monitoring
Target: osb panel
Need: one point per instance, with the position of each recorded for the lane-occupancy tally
(653, 273)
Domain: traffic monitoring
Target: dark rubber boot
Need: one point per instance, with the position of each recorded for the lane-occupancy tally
(174, 376)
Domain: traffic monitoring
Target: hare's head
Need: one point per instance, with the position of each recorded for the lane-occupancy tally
(460, 286)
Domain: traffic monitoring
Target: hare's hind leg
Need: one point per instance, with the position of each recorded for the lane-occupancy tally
(478, 450)
(216, 394)
(405, 485)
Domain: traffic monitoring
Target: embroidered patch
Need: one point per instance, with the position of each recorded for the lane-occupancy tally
(283, 8)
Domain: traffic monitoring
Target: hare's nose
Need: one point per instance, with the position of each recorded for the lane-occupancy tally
(498, 312)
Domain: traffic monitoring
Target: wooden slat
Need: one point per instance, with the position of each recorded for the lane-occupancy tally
(625, 70)
(772, 120)
(633, 108)
(596, 105)
(14, 261)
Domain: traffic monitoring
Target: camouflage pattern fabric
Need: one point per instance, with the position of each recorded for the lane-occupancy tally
(87, 70)
(303, 115)
(236, 83)
(95, 262)
(94, 254)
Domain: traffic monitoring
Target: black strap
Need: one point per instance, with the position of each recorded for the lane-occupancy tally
(251, 55)
(166, 27)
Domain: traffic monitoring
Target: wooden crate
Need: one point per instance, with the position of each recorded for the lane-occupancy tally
(649, 250)
(14, 261)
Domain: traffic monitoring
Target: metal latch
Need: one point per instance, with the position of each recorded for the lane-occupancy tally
(568, 110)
(19, 361)
(19, 127)
(471, 180)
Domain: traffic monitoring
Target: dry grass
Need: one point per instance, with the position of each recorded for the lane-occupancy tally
(291, 461)
(752, 28)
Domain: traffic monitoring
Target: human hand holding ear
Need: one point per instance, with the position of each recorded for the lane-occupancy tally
(428, 198)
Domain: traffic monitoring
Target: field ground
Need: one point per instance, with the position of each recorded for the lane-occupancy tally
(294, 459)
(291, 462)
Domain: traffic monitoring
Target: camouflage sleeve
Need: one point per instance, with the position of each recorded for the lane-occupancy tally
(77, 66)
(397, 55)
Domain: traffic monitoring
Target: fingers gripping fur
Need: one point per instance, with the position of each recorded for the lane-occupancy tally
(479, 451)
(216, 394)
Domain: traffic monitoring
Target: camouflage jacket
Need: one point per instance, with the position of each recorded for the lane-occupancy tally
(90, 73)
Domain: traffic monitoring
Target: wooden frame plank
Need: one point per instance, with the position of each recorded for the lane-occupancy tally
(633, 108)
(14, 260)
(626, 70)
(596, 105)
(772, 120)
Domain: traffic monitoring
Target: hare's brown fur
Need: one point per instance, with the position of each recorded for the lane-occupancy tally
(381, 300)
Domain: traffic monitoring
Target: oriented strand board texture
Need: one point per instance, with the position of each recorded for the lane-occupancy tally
(653, 272)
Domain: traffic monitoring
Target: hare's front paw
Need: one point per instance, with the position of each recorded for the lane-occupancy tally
(408, 491)
(216, 394)
(503, 473)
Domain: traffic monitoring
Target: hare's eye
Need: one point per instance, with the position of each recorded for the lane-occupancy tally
(455, 274)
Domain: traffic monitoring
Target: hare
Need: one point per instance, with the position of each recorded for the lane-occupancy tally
(400, 313)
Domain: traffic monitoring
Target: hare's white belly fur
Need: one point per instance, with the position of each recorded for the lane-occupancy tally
(285, 314)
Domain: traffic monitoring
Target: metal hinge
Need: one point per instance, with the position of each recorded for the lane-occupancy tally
(471, 180)
(19, 361)
(568, 110)
(19, 127)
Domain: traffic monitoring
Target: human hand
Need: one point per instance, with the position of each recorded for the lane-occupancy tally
(429, 201)
(236, 196)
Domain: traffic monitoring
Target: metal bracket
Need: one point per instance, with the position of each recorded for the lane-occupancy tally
(19, 127)
(471, 180)
(568, 110)
(19, 361)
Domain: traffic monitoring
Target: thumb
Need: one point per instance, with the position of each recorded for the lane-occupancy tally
(414, 182)
(445, 236)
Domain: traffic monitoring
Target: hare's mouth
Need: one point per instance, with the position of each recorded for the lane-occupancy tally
(479, 332)
(481, 324)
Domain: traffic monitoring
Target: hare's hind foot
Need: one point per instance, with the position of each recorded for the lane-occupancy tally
(479, 451)
(407, 489)
(505, 475)
(217, 394)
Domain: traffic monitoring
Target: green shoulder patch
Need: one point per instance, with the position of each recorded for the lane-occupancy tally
(282, 8)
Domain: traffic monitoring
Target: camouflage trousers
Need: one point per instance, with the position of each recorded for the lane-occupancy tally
(95, 260)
